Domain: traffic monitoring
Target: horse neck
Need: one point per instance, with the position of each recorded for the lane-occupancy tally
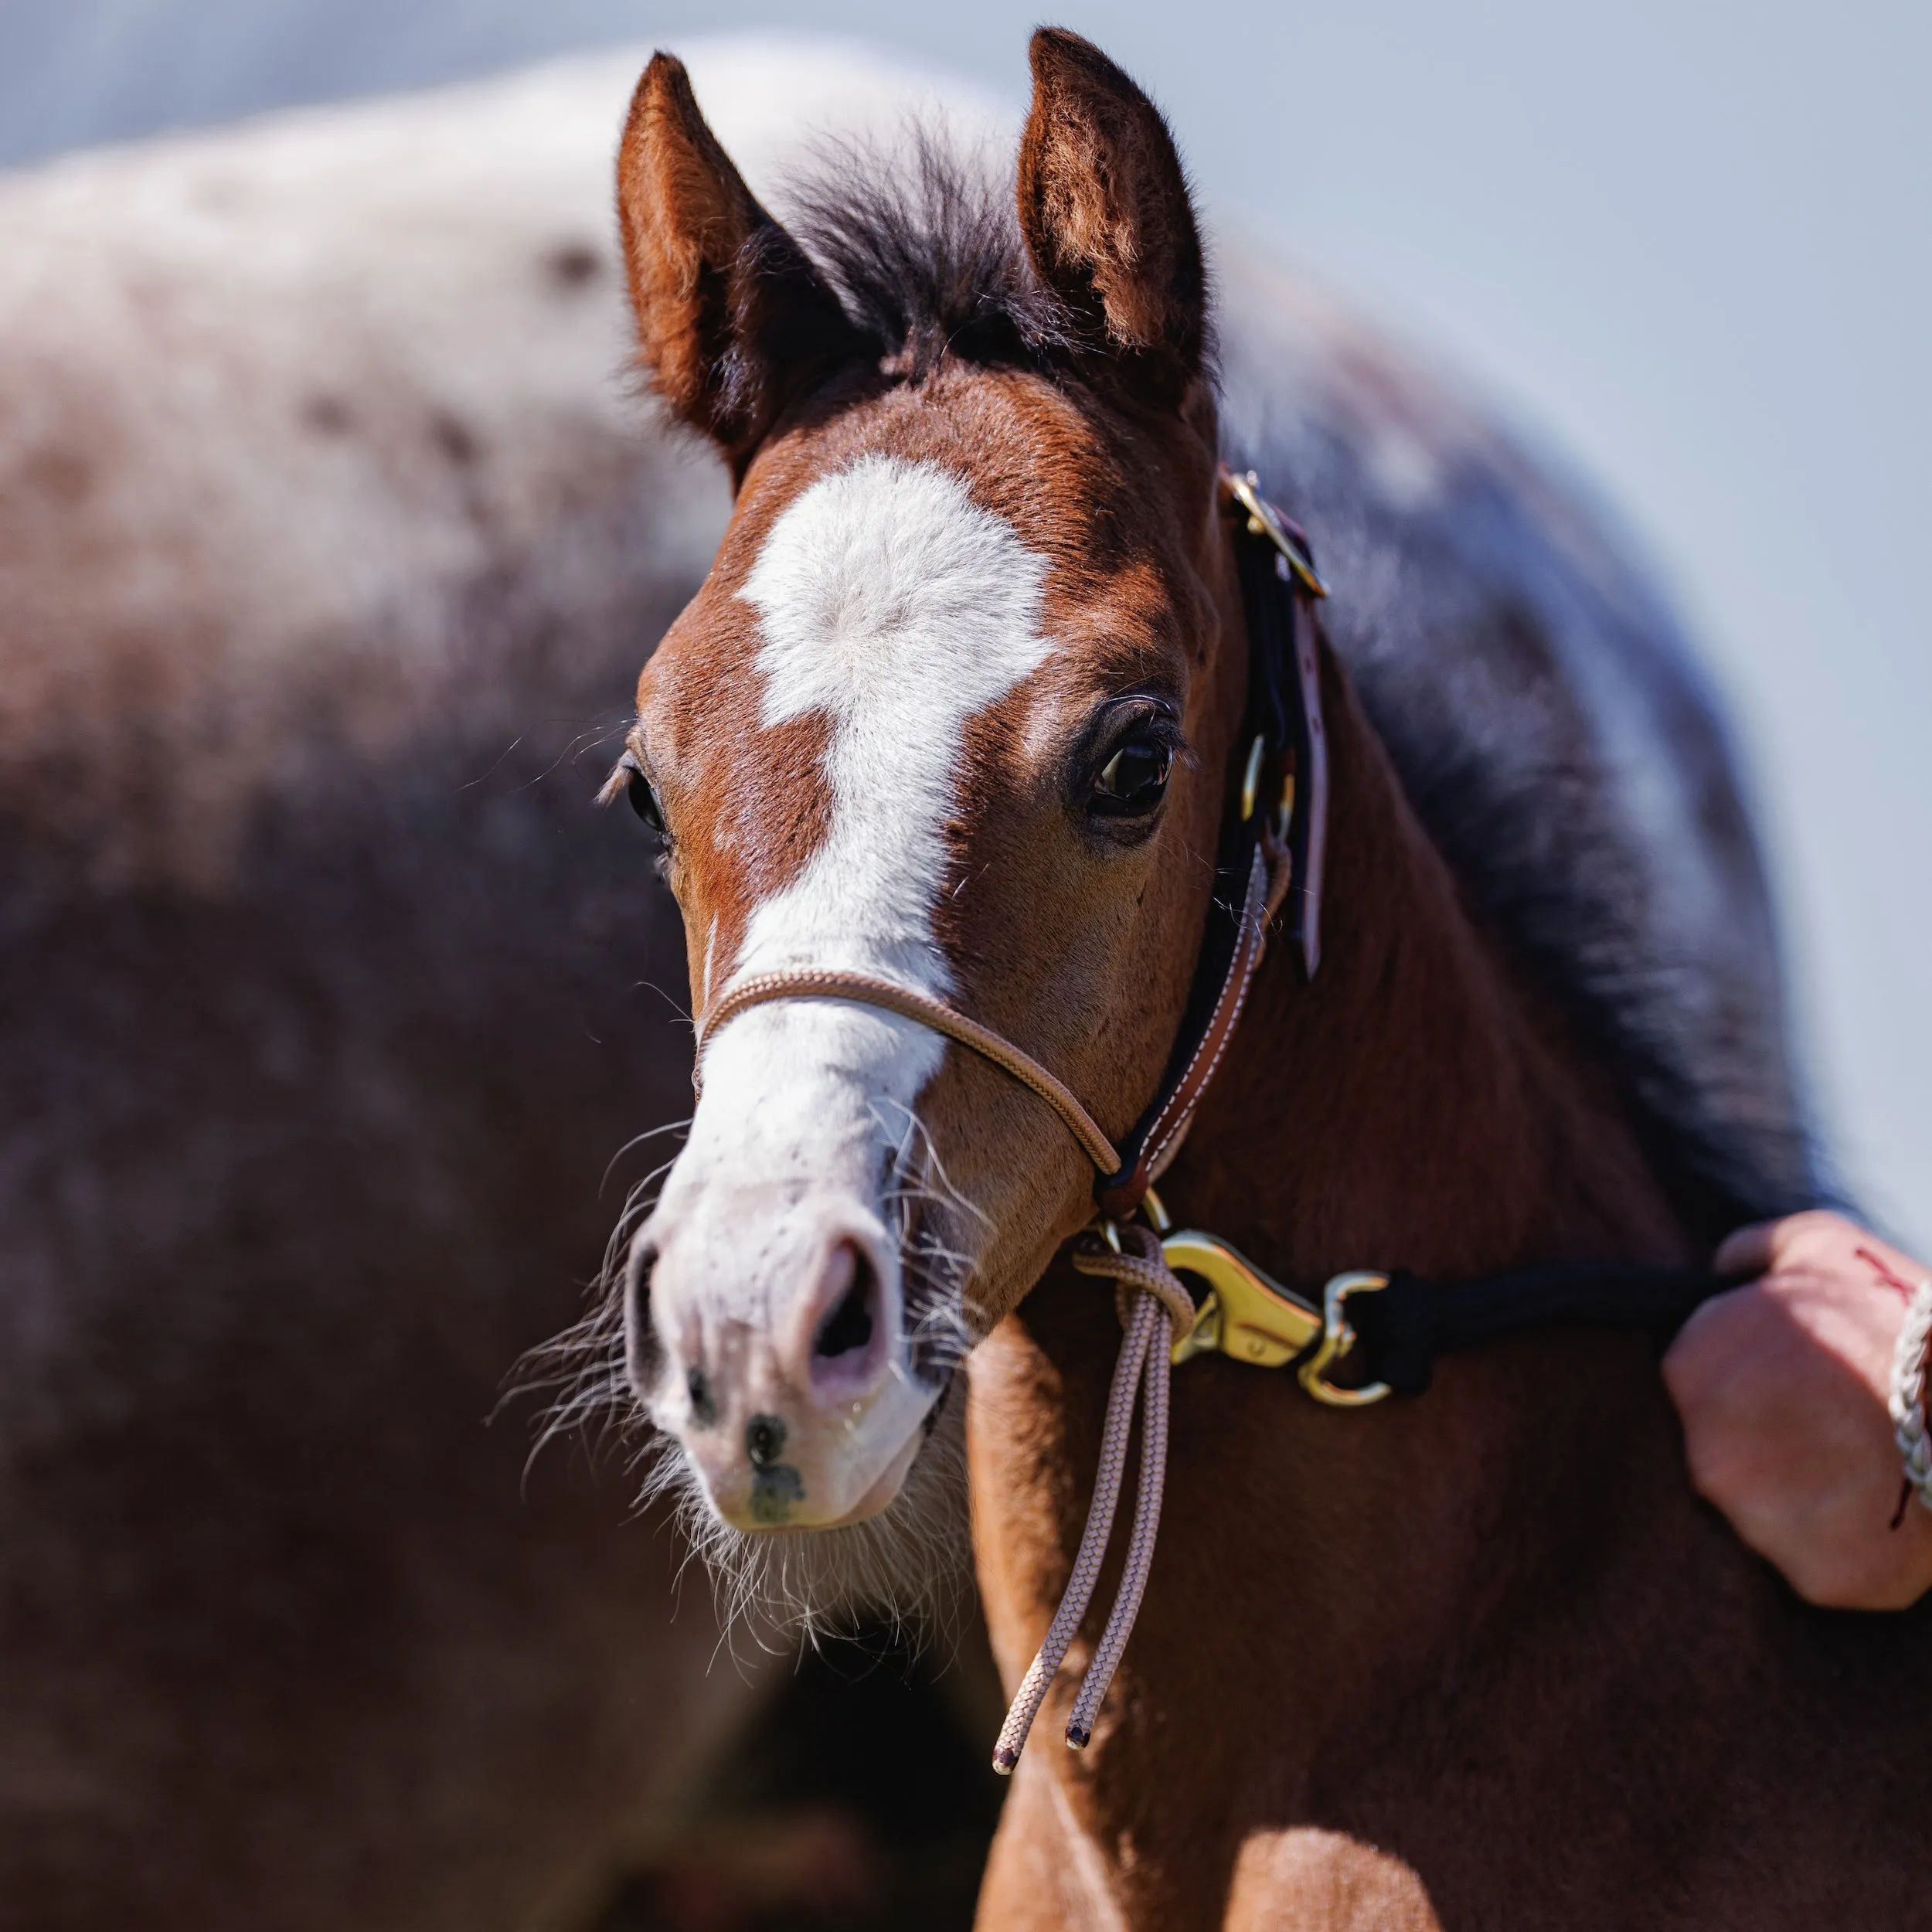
(1412, 1107)
(1417, 1105)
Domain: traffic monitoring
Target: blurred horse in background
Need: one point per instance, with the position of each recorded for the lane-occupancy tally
(330, 533)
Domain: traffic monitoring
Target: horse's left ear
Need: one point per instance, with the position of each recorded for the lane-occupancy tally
(733, 321)
(1104, 208)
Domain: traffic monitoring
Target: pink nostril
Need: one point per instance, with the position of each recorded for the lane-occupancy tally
(852, 1288)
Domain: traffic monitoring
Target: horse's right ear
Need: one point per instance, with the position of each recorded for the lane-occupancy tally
(733, 321)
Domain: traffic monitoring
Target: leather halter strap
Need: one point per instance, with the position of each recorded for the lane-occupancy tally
(1267, 857)
(826, 982)
(1272, 858)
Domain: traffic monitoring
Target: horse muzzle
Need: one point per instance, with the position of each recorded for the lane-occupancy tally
(766, 1334)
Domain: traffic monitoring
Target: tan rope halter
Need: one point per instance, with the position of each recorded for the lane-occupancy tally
(828, 982)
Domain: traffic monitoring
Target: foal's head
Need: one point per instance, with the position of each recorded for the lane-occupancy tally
(954, 707)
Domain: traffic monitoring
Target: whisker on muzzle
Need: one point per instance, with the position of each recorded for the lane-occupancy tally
(584, 1370)
(909, 1564)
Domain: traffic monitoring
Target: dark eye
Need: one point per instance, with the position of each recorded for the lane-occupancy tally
(1131, 781)
(644, 801)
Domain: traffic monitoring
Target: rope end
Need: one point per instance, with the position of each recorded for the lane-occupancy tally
(1004, 1760)
(1077, 1739)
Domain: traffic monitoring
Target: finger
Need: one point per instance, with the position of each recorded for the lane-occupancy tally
(1748, 1250)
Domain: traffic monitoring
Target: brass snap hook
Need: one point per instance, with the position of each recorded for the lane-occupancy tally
(1337, 1339)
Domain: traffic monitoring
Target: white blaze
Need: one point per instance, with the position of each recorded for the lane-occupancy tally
(893, 605)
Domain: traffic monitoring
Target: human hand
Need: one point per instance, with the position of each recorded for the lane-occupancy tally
(1782, 1387)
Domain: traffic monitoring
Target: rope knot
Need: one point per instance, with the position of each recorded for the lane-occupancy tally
(1141, 1268)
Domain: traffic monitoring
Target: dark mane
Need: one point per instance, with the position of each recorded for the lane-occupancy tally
(1547, 719)
(924, 246)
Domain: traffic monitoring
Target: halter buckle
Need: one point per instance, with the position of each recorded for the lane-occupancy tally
(1338, 1339)
(1264, 520)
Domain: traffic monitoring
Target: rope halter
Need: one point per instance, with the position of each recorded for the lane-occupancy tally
(1154, 1310)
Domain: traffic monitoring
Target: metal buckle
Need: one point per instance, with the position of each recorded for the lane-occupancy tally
(1337, 1339)
(1251, 789)
(1263, 520)
(1247, 1316)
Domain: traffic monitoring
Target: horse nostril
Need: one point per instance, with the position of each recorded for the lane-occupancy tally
(764, 1440)
(643, 1359)
(850, 1325)
(704, 1406)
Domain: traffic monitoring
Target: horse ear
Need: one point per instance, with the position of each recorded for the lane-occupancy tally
(733, 321)
(1104, 206)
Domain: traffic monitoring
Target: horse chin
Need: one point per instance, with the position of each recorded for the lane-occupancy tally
(901, 1551)
(749, 1510)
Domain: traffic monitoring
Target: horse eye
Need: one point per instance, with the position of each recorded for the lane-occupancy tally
(644, 801)
(1132, 780)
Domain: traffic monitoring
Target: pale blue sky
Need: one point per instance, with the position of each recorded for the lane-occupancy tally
(1684, 241)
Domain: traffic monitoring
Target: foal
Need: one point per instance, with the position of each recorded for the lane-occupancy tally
(960, 709)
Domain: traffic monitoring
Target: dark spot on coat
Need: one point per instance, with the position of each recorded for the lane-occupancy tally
(63, 474)
(329, 415)
(455, 439)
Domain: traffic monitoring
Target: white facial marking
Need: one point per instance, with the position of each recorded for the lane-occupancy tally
(892, 603)
(893, 606)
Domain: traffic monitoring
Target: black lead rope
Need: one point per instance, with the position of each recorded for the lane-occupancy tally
(1401, 1328)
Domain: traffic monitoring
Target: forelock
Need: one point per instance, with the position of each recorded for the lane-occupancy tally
(922, 243)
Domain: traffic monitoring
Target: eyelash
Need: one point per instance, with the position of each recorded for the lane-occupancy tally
(628, 779)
